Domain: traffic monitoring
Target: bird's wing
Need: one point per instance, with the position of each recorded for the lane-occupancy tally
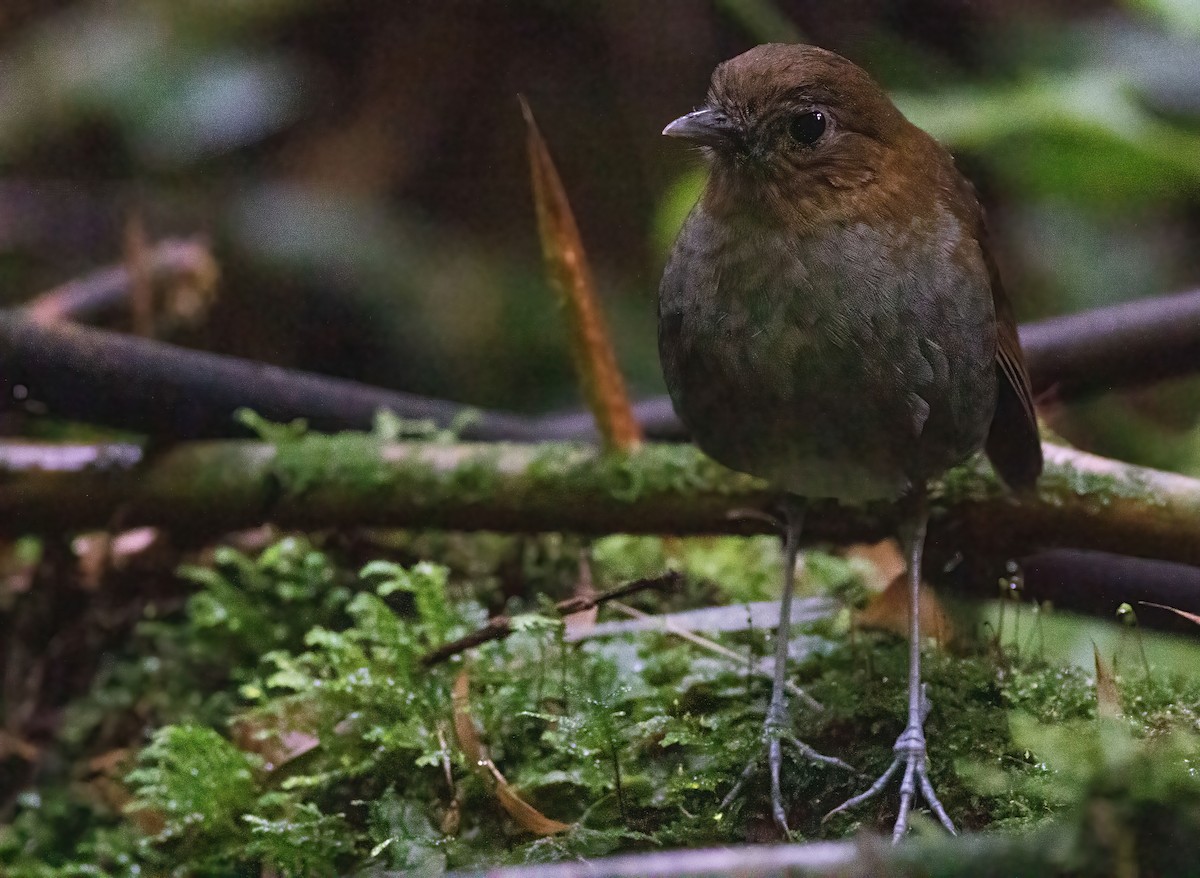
(1013, 444)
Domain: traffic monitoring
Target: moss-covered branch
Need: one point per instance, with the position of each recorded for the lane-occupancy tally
(317, 481)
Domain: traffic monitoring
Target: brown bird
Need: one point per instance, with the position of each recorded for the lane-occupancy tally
(832, 319)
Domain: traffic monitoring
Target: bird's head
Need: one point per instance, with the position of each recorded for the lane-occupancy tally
(794, 130)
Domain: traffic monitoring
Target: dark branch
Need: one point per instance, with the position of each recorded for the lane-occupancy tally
(1099, 582)
(160, 389)
(1113, 348)
(163, 390)
(1072, 357)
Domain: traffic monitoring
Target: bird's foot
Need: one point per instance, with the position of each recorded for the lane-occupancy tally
(774, 736)
(910, 753)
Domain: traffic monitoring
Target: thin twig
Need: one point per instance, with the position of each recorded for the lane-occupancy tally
(172, 263)
(716, 648)
(499, 627)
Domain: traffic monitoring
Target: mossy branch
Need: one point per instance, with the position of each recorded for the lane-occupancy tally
(315, 481)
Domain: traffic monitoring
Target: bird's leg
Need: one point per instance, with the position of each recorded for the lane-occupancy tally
(775, 728)
(910, 746)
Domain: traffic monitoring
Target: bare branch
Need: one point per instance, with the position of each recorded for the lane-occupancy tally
(1079, 355)
(1121, 346)
(107, 378)
(160, 389)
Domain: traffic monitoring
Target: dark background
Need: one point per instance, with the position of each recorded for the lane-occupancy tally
(360, 166)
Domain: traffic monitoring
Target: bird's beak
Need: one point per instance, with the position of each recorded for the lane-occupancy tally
(708, 127)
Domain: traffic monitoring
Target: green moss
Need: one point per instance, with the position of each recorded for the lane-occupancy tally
(972, 482)
(632, 739)
(477, 477)
(1097, 489)
(362, 465)
(975, 481)
(653, 469)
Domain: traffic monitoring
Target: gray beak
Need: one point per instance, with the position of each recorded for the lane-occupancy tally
(708, 127)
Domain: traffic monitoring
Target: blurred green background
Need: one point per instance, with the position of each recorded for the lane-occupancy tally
(360, 168)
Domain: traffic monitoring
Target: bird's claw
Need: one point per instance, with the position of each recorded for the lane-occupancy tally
(772, 740)
(910, 752)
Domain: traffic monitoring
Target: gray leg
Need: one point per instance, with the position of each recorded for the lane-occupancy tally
(775, 728)
(910, 746)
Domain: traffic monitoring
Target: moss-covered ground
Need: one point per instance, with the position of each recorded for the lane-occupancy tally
(282, 721)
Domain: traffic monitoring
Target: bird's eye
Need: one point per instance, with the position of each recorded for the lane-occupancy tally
(807, 128)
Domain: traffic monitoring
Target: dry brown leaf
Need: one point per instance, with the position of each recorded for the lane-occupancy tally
(1191, 617)
(113, 762)
(1108, 699)
(579, 623)
(277, 739)
(526, 816)
(885, 559)
(566, 262)
(888, 611)
(104, 784)
(13, 745)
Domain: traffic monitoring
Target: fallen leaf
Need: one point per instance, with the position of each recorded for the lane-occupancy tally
(885, 559)
(888, 611)
(110, 762)
(104, 783)
(577, 624)
(566, 262)
(11, 744)
(525, 815)
(278, 739)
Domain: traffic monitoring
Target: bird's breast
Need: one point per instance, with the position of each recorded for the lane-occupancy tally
(846, 364)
